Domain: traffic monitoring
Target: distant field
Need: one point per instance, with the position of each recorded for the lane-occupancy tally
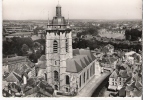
(110, 35)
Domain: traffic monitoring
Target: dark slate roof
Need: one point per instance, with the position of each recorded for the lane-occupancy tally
(123, 74)
(22, 69)
(41, 65)
(81, 59)
(130, 87)
(138, 84)
(73, 66)
(32, 82)
(13, 77)
(47, 88)
(114, 75)
(75, 52)
(13, 59)
(42, 58)
(30, 64)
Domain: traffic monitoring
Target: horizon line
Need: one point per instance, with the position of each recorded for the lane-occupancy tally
(72, 19)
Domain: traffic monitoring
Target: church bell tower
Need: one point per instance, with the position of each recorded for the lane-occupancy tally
(58, 49)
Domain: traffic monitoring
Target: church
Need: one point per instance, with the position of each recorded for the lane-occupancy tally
(67, 69)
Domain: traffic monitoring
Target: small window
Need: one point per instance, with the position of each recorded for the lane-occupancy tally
(56, 76)
(120, 78)
(56, 87)
(55, 63)
(120, 83)
(67, 90)
(112, 83)
(112, 79)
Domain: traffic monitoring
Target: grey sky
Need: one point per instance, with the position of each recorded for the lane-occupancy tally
(78, 9)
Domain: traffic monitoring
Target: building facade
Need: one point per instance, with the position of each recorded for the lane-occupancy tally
(67, 70)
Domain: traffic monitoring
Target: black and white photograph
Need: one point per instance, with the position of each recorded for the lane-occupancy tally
(71, 48)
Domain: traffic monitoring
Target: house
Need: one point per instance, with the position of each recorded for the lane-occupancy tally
(38, 87)
(113, 81)
(117, 79)
(13, 63)
(13, 77)
(109, 49)
(108, 61)
(122, 77)
(41, 67)
(133, 57)
(134, 89)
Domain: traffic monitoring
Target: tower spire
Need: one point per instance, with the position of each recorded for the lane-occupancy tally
(58, 10)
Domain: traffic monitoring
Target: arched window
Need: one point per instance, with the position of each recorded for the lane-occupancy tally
(67, 90)
(55, 46)
(93, 68)
(67, 79)
(84, 77)
(56, 87)
(56, 76)
(87, 74)
(66, 45)
(90, 71)
(80, 81)
(45, 76)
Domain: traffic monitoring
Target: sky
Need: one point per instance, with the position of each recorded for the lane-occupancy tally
(77, 9)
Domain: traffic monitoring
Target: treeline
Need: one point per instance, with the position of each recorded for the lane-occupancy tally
(133, 34)
(90, 31)
(118, 44)
(24, 47)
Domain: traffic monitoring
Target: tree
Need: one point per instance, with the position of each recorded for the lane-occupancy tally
(24, 49)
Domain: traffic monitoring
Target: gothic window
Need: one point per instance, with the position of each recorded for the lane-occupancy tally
(67, 79)
(55, 46)
(66, 45)
(80, 81)
(84, 77)
(56, 76)
(90, 71)
(87, 74)
(94, 67)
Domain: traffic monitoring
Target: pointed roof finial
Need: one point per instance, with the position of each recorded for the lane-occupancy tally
(48, 17)
(58, 4)
(68, 17)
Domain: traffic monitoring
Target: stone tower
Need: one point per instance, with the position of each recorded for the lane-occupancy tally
(58, 49)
